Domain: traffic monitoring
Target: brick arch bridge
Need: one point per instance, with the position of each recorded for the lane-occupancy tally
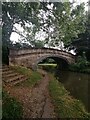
(31, 57)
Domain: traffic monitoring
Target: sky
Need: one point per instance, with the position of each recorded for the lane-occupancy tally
(15, 37)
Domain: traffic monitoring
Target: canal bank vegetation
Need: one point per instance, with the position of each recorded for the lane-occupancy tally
(65, 105)
(82, 65)
(33, 77)
(11, 108)
(50, 67)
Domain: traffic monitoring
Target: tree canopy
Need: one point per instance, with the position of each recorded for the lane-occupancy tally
(14, 12)
(63, 22)
(82, 43)
(59, 21)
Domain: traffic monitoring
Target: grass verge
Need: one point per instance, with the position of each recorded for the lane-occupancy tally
(48, 67)
(65, 105)
(87, 70)
(48, 64)
(33, 77)
(11, 109)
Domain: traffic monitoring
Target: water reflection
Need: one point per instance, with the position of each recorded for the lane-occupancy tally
(78, 85)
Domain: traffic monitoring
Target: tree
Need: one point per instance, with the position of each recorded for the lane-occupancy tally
(62, 22)
(20, 13)
(59, 21)
(38, 44)
(12, 13)
(82, 43)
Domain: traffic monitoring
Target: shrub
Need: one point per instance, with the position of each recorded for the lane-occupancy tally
(11, 107)
(80, 65)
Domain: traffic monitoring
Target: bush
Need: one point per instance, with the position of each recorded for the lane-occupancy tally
(82, 62)
(81, 65)
(11, 108)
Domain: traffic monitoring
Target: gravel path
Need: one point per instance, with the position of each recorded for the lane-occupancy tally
(36, 102)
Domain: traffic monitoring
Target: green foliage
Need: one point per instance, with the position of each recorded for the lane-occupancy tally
(38, 44)
(12, 13)
(82, 62)
(20, 13)
(48, 61)
(33, 77)
(65, 105)
(11, 108)
(65, 20)
(82, 65)
(82, 42)
(51, 60)
(48, 67)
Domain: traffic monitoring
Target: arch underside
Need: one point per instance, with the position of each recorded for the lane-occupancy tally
(58, 59)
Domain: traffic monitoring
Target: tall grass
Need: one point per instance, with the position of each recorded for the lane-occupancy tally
(65, 105)
(11, 108)
(33, 77)
(48, 67)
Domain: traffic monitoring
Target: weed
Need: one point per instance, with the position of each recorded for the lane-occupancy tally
(65, 105)
(33, 77)
(10, 107)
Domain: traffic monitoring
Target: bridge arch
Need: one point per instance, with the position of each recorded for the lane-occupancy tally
(61, 61)
(31, 57)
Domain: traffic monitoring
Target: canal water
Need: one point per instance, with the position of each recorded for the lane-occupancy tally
(78, 84)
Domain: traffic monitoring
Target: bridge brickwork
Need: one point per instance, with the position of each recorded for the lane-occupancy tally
(31, 57)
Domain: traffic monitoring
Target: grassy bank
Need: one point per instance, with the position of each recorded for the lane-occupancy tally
(81, 65)
(65, 105)
(48, 64)
(33, 77)
(48, 67)
(11, 108)
(76, 69)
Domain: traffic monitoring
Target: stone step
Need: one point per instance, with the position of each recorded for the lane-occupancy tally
(7, 72)
(18, 81)
(5, 66)
(10, 75)
(6, 69)
(18, 77)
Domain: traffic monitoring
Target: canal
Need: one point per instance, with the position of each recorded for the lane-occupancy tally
(78, 84)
